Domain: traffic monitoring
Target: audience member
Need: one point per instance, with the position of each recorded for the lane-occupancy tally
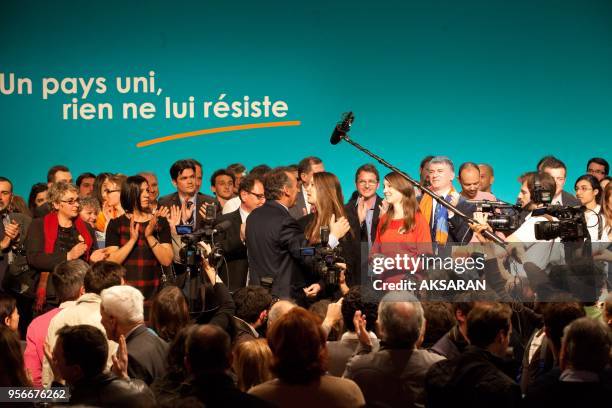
(9, 315)
(122, 316)
(440, 321)
(38, 196)
(12, 369)
(251, 363)
(598, 167)
(222, 185)
(169, 313)
(85, 184)
(298, 342)
(252, 304)
(306, 168)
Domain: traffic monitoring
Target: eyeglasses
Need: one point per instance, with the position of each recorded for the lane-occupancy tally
(364, 183)
(594, 171)
(577, 189)
(258, 196)
(72, 201)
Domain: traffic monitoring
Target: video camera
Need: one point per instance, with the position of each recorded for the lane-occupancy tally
(191, 253)
(571, 227)
(502, 216)
(325, 259)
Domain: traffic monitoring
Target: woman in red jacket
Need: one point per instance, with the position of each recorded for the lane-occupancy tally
(402, 229)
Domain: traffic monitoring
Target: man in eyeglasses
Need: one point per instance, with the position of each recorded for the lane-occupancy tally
(598, 167)
(251, 193)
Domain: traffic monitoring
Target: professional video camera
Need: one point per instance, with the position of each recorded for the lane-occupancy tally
(571, 227)
(325, 259)
(502, 216)
(192, 252)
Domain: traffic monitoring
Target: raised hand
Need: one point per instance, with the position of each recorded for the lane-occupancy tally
(361, 209)
(338, 228)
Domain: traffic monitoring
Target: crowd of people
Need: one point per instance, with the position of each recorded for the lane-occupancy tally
(260, 294)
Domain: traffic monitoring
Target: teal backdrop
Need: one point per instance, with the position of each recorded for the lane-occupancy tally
(503, 82)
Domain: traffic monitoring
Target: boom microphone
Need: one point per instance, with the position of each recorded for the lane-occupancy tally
(342, 128)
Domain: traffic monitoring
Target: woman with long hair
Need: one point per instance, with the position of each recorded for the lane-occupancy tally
(139, 240)
(9, 315)
(589, 192)
(402, 229)
(325, 195)
(38, 196)
(12, 369)
(251, 363)
(169, 313)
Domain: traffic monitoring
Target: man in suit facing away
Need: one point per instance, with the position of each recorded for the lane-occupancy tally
(252, 196)
(274, 238)
(306, 168)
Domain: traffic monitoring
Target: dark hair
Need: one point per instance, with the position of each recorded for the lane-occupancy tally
(53, 170)
(468, 165)
(305, 165)
(85, 346)
(274, 183)
(601, 162)
(98, 183)
(83, 176)
(298, 344)
(236, 168)
(6, 180)
(130, 194)
(425, 160)
(260, 170)
(181, 165)
(247, 183)
(12, 369)
(250, 302)
(68, 277)
(8, 304)
(221, 172)
(485, 321)
(557, 315)
(367, 168)
(587, 344)
(36, 188)
(439, 321)
(103, 275)
(550, 162)
(208, 349)
(547, 182)
(196, 163)
(354, 301)
(169, 312)
(595, 185)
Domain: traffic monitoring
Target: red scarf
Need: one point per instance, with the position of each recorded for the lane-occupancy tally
(51, 229)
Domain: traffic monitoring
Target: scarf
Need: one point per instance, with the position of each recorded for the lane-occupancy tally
(51, 229)
(439, 226)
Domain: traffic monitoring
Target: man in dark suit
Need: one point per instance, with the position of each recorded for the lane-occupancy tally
(557, 169)
(306, 168)
(274, 238)
(234, 271)
(122, 311)
(365, 205)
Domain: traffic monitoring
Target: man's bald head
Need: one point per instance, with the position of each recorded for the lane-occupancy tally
(401, 319)
(279, 309)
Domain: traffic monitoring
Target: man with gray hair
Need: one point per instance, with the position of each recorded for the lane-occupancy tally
(395, 374)
(444, 225)
(122, 312)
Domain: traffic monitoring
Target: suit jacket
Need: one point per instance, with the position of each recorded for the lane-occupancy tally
(107, 390)
(299, 209)
(146, 354)
(234, 272)
(392, 377)
(351, 207)
(340, 352)
(569, 199)
(274, 240)
(173, 199)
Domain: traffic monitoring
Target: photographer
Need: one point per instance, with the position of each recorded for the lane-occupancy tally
(325, 194)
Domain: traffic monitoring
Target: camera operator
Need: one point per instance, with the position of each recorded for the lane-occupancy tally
(14, 272)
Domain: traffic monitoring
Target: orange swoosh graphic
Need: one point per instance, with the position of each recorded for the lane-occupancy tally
(217, 130)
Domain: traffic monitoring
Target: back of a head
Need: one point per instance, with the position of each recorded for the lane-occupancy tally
(608, 308)
(252, 361)
(125, 303)
(586, 345)
(401, 319)
(279, 309)
(485, 321)
(557, 315)
(208, 350)
(439, 321)
(298, 344)
(354, 301)
(250, 301)
(102, 275)
(68, 277)
(85, 346)
(12, 372)
(274, 183)
(169, 312)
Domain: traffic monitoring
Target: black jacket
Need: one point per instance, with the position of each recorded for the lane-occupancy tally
(351, 208)
(146, 354)
(107, 390)
(274, 240)
(474, 379)
(234, 270)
